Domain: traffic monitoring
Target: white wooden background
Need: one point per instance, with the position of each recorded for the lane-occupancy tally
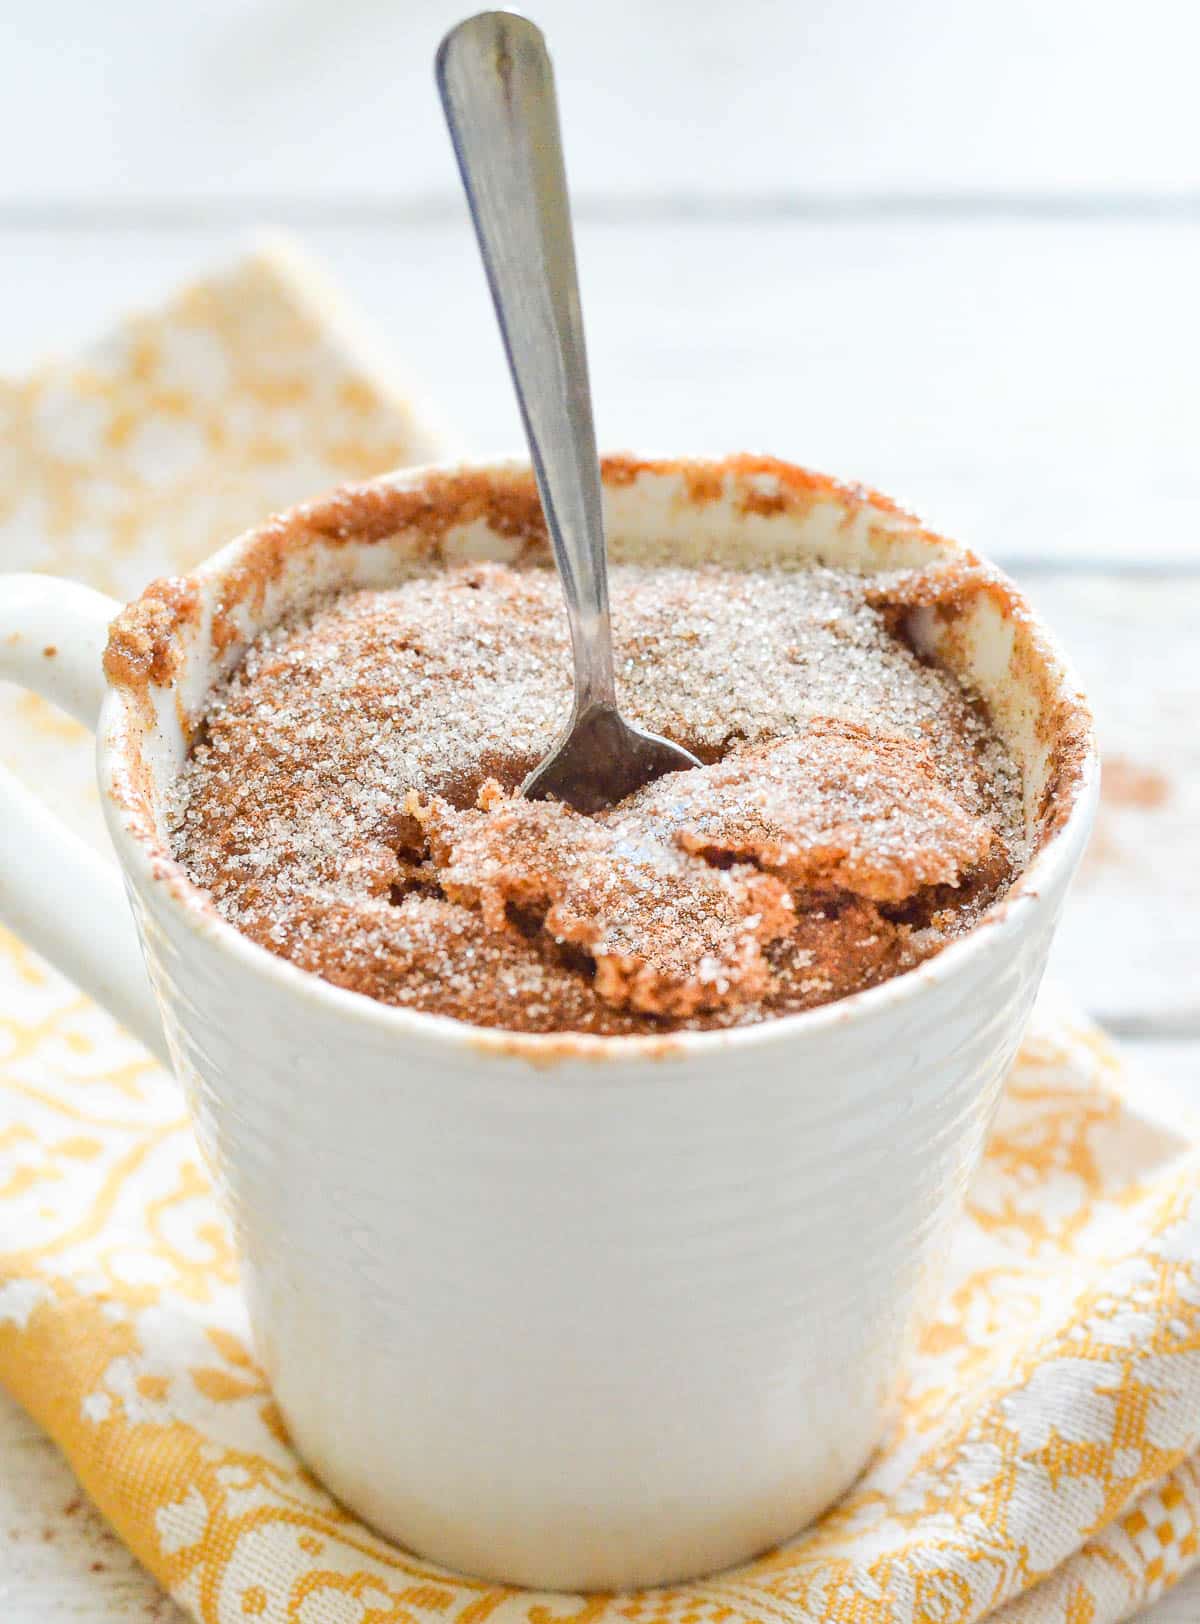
(951, 247)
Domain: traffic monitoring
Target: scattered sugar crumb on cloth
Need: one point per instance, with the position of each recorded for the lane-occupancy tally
(1044, 1467)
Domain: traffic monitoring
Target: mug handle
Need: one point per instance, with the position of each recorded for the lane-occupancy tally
(57, 894)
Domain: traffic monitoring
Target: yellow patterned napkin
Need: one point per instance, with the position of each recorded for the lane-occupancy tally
(248, 391)
(1043, 1469)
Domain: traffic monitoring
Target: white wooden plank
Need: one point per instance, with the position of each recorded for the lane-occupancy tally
(1129, 944)
(1163, 1075)
(1032, 386)
(139, 100)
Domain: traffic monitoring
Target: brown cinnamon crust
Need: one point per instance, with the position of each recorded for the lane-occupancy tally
(856, 813)
(951, 591)
(505, 500)
(142, 647)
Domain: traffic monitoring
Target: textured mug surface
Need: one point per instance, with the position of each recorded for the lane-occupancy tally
(563, 1311)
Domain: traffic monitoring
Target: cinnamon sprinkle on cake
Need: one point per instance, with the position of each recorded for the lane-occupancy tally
(350, 802)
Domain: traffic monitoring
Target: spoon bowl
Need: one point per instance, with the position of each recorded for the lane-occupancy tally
(600, 759)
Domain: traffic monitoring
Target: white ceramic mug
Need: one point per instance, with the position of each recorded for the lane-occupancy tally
(562, 1311)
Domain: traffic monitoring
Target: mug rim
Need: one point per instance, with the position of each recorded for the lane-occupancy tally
(141, 854)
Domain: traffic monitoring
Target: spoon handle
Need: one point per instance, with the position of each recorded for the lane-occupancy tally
(497, 88)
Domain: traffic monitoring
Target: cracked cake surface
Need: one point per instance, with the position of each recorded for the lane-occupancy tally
(350, 802)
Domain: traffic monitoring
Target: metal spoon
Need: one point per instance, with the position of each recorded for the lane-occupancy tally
(497, 89)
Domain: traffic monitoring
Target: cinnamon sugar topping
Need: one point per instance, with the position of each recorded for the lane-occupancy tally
(350, 803)
(668, 933)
